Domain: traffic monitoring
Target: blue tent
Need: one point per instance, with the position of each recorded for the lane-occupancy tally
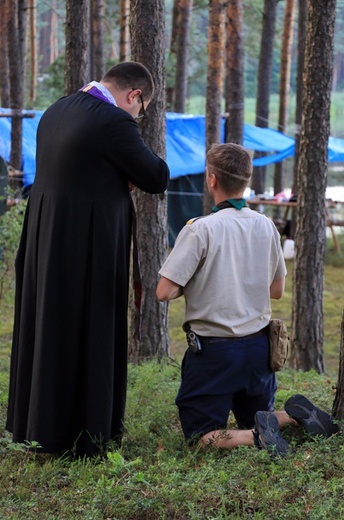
(29, 141)
(336, 149)
(185, 144)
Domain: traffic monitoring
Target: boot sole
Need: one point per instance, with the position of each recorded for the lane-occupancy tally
(314, 420)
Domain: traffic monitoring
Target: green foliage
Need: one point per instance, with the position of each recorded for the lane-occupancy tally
(156, 476)
(10, 231)
(51, 84)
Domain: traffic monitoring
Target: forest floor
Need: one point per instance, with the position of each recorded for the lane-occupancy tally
(156, 476)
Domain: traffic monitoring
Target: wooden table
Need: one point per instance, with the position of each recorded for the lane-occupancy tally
(287, 205)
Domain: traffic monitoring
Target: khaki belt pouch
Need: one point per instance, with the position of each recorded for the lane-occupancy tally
(279, 342)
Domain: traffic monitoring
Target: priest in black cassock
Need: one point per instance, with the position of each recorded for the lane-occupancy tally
(69, 356)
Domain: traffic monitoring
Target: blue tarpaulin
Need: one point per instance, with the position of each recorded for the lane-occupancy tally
(335, 149)
(185, 144)
(29, 141)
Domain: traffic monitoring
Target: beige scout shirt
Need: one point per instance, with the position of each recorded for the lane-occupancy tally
(226, 263)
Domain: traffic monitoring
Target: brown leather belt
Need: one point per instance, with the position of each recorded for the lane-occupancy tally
(213, 339)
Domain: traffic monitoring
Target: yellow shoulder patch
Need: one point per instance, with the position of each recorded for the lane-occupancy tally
(192, 220)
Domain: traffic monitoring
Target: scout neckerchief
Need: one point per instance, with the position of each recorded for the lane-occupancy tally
(230, 203)
(98, 91)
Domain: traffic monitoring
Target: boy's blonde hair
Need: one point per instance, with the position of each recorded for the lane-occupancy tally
(232, 165)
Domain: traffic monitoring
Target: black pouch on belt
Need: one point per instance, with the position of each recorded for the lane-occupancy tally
(193, 341)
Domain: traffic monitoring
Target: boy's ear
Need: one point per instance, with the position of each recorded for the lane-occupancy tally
(213, 180)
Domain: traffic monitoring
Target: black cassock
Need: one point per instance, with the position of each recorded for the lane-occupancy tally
(69, 355)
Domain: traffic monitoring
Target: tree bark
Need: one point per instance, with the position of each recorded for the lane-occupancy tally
(5, 99)
(97, 68)
(284, 85)
(16, 15)
(310, 236)
(235, 73)
(23, 8)
(147, 29)
(301, 40)
(33, 51)
(181, 83)
(264, 84)
(77, 45)
(172, 58)
(216, 53)
(48, 40)
(124, 38)
(338, 404)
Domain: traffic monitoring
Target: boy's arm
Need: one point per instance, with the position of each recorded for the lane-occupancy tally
(168, 290)
(277, 288)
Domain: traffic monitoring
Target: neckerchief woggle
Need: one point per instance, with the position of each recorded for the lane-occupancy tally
(98, 91)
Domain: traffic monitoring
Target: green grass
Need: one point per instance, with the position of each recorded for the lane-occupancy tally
(155, 476)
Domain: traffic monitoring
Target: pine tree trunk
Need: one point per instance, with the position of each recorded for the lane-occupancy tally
(338, 404)
(33, 51)
(172, 58)
(235, 73)
(16, 15)
(216, 52)
(97, 68)
(48, 40)
(44, 41)
(124, 38)
(147, 28)
(301, 40)
(264, 84)
(77, 45)
(284, 86)
(310, 236)
(5, 99)
(182, 67)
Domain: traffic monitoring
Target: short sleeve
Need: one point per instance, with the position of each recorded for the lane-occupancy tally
(188, 253)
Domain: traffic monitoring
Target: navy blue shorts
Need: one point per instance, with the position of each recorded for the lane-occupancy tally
(227, 376)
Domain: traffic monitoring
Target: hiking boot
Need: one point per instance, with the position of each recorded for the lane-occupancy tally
(314, 420)
(267, 434)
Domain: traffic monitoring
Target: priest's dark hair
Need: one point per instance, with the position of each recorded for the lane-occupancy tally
(131, 74)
